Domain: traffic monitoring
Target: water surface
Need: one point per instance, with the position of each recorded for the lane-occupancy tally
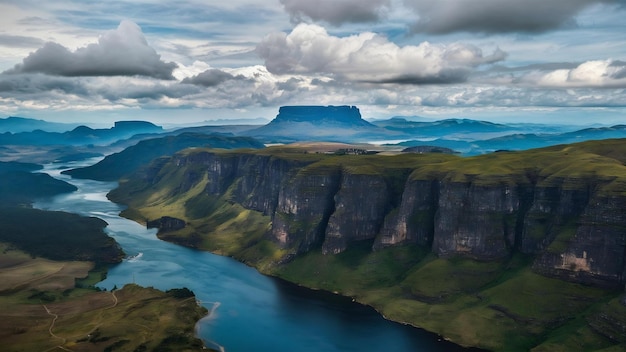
(250, 311)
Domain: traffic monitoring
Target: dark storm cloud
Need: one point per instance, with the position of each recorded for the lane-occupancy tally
(336, 12)
(497, 16)
(29, 85)
(211, 78)
(449, 76)
(122, 52)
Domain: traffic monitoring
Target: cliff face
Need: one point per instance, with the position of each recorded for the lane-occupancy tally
(476, 221)
(305, 205)
(361, 204)
(574, 227)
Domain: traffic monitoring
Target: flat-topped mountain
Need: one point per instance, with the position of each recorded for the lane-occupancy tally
(341, 115)
(318, 123)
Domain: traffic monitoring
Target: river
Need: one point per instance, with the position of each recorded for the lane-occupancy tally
(250, 311)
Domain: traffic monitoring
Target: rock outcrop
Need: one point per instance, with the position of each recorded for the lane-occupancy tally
(166, 224)
(574, 226)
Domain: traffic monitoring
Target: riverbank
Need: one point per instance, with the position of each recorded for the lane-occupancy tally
(473, 249)
(41, 308)
(270, 315)
(497, 305)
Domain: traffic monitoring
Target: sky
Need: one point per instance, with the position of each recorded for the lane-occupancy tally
(544, 61)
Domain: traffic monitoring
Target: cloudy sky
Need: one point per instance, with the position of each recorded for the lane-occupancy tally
(182, 61)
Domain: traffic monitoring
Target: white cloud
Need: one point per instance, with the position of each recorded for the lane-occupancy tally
(120, 52)
(589, 74)
(369, 57)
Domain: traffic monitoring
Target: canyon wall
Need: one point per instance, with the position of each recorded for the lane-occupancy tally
(574, 228)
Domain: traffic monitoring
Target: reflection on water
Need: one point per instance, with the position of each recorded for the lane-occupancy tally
(251, 312)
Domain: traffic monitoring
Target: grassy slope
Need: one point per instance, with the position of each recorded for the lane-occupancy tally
(143, 319)
(130, 319)
(58, 235)
(495, 305)
(117, 165)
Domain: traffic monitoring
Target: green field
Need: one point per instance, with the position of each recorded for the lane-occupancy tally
(41, 309)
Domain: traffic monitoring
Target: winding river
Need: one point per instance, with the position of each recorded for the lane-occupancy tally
(249, 311)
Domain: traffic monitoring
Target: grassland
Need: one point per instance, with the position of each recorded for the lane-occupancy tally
(501, 306)
(41, 309)
(498, 305)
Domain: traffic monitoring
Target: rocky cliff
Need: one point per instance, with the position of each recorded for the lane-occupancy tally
(562, 205)
(505, 251)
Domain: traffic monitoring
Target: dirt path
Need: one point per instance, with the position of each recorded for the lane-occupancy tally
(114, 301)
(54, 320)
(56, 316)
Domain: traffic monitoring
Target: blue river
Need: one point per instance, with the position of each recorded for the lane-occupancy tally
(248, 311)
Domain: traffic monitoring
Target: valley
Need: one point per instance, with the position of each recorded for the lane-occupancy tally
(505, 250)
(527, 244)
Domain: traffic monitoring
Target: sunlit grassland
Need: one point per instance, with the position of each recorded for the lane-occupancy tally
(41, 309)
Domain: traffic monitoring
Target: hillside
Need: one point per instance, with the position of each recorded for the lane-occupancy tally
(50, 305)
(504, 251)
(120, 164)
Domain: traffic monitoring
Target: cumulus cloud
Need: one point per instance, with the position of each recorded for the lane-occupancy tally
(589, 74)
(336, 12)
(496, 16)
(369, 57)
(120, 52)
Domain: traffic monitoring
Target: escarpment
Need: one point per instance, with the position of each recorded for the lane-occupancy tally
(563, 205)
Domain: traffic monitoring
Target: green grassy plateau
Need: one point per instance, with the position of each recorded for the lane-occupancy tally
(497, 305)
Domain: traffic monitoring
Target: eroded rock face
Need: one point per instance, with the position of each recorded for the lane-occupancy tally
(594, 252)
(574, 232)
(304, 206)
(166, 224)
(475, 221)
(361, 204)
(413, 221)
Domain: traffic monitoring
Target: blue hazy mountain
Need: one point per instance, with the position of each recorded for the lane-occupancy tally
(16, 124)
(81, 135)
(316, 123)
(521, 141)
(449, 127)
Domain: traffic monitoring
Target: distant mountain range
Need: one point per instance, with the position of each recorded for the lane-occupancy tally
(323, 123)
(521, 141)
(81, 135)
(16, 124)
